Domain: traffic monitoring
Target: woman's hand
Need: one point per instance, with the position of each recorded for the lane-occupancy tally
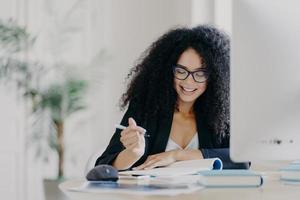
(133, 139)
(159, 160)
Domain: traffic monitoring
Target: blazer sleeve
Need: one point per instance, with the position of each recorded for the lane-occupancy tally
(115, 146)
(223, 154)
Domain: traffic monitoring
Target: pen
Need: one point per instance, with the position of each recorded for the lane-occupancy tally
(118, 126)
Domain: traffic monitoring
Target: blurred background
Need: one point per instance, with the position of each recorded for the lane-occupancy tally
(63, 65)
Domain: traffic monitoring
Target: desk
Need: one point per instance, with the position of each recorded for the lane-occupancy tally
(271, 190)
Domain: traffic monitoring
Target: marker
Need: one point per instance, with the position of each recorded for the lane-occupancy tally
(118, 126)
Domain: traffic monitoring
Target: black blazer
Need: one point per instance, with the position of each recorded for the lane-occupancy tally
(159, 130)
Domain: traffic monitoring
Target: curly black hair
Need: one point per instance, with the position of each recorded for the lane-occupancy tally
(151, 86)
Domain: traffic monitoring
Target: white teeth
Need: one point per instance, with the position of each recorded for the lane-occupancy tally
(188, 90)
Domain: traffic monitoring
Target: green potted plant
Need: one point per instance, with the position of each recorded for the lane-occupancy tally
(51, 104)
(59, 100)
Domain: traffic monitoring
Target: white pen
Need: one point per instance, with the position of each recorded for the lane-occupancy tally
(119, 126)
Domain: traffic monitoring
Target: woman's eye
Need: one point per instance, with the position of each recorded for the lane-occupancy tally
(200, 73)
(180, 71)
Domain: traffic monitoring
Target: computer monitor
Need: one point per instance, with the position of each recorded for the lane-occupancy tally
(265, 80)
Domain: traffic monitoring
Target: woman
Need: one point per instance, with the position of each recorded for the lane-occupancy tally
(179, 94)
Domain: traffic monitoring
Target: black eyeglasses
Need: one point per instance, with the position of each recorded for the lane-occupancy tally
(181, 73)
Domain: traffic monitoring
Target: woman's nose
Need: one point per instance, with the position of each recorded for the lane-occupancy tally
(190, 79)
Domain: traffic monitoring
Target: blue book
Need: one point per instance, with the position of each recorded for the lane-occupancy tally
(231, 178)
(291, 173)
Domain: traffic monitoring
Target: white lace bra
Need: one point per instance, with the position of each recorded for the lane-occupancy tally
(193, 144)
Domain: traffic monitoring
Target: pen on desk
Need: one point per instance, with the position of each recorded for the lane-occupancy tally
(118, 126)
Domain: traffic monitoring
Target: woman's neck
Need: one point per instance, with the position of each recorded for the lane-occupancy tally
(186, 108)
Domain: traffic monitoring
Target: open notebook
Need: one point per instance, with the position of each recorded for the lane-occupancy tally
(179, 168)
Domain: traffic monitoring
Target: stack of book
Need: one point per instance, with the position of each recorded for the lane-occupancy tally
(291, 173)
(231, 178)
(205, 172)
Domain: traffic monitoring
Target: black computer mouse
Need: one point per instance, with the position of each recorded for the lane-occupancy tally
(103, 173)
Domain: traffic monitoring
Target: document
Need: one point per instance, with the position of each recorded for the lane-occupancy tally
(179, 168)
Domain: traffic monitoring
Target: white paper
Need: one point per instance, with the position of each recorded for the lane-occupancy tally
(177, 169)
(161, 172)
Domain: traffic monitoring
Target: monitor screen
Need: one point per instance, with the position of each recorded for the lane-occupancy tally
(265, 80)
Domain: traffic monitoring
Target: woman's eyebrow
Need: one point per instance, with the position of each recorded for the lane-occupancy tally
(199, 68)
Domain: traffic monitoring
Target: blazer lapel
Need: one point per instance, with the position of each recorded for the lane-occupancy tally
(203, 133)
(162, 134)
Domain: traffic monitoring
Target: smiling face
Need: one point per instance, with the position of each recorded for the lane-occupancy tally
(189, 90)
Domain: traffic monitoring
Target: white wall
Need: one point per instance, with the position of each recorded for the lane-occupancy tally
(122, 30)
(9, 149)
(13, 129)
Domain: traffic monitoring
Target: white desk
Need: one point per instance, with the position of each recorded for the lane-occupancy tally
(271, 190)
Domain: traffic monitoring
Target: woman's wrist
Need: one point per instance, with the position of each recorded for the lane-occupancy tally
(191, 154)
(126, 159)
(133, 154)
(178, 154)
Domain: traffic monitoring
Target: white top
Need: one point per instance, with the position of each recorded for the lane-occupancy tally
(193, 144)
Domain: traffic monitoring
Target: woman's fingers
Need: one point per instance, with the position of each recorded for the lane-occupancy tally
(149, 161)
(136, 128)
(155, 163)
(130, 141)
(128, 138)
(145, 165)
(132, 146)
(149, 158)
(131, 130)
(132, 137)
(131, 122)
(157, 160)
